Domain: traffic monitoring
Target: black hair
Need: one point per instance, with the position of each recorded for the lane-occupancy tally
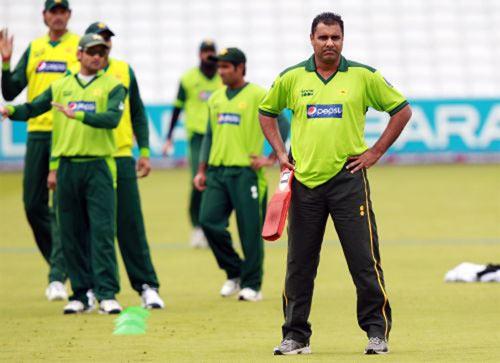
(327, 18)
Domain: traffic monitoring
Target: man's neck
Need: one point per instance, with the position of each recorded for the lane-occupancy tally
(87, 72)
(326, 68)
(56, 35)
(237, 85)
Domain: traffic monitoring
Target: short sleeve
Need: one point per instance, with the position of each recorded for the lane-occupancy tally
(275, 99)
(382, 96)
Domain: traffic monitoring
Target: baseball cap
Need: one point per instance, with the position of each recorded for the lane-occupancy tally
(91, 40)
(51, 4)
(207, 44)
(99, 27)
(233, 55)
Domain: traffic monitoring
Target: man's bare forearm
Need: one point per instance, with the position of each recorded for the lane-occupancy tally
(396, 125)
(271, 131)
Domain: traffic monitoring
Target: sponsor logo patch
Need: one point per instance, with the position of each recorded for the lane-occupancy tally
(324, 111)
(51, 67)
(204, 95)
(228, 118)
(84, 106)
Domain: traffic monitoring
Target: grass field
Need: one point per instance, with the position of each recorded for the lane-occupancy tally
(430, 219)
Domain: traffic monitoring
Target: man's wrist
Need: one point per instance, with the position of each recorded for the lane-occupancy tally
(10, 109)
(144, 152)
(5, 64)
(377, 150)
(202, 168)
(79, 115)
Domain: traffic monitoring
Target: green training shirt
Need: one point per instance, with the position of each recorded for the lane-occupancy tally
(234, 125)
(98, 106)
(194, 91)
(328, 114)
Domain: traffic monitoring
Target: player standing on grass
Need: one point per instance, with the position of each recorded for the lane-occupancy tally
(231, 175)
(130, 228)
(195, 88)
(86, 108)
(329, 96)
(46, 60)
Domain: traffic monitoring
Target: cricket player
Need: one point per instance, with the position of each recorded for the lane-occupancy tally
(86, 108)
(130, 228)
(195, 88)
(231, 177)
(45, 60)
(329, 96)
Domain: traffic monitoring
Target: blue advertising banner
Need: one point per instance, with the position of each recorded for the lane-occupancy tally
(440, 130)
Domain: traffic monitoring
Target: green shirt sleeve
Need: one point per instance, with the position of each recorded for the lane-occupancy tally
(181, 96)
(382, 96)
(111, 117)
(40, 105)
(14, 82)
(206, 144)
(138, 115)
(275, 100)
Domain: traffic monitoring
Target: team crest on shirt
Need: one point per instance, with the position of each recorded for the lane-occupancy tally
(204, 95)
(85, 106)
(228, 119)
(38, 53)
(51, 67)
(324, 111)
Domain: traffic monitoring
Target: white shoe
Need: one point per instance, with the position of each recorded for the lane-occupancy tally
(74, 307)
(91, 301)
(198, 239)
(230, 287)
(151, 299)
(109, 307)
(56, 291)
(248, 294)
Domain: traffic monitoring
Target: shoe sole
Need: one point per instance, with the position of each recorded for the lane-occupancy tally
(231, 294)
(373, 351)
(306, 350)
(57, 298)
(152, 306)
(71, 312)
(111, 312)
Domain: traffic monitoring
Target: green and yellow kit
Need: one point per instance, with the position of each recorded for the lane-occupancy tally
(82, 153)
(43, 62)
(130, 230)
(328, 115)
(194, 91)
(327, 128)
(233, 135)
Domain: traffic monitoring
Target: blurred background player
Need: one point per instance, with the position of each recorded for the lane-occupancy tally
(87, 107)
(45, 60)
(130, 228)
(231, 177)
(195, 88)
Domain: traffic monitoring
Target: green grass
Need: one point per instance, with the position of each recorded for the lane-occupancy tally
(430, 219)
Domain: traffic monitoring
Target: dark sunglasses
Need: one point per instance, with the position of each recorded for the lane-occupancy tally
(99, 51)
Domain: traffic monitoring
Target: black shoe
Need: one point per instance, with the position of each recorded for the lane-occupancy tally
(289, 346)
(377, 345)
